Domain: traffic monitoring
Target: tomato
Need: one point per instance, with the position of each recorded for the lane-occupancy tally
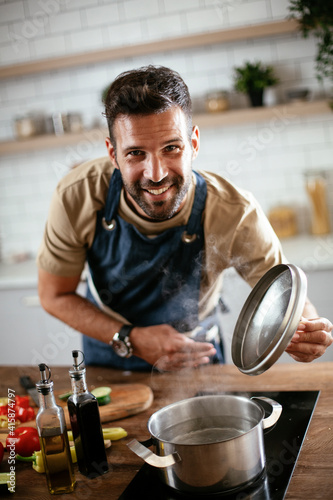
(23, 440)
(1, 451)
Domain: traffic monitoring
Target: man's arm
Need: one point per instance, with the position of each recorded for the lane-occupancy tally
(159, 345)
(312, 337)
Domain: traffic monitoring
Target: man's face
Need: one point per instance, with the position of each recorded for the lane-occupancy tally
(154, 156)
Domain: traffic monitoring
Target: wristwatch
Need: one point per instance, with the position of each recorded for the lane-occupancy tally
(121, 343)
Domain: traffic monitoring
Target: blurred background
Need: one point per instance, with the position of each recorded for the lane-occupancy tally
(57, 57)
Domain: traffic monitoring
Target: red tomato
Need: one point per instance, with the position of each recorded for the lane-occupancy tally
(24, 441)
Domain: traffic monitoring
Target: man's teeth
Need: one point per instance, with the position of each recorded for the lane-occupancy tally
(157, 191)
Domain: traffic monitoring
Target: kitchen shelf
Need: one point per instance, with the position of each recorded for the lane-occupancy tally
(184, 42)
(205, 120)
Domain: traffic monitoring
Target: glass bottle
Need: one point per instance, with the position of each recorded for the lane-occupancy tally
(316, 186)
(51, 426)
(86, 424)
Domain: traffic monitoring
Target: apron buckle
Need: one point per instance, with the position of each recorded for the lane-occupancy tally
(188, 238)
(109, 226)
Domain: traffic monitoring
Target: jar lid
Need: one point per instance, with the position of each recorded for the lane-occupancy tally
(269, 319)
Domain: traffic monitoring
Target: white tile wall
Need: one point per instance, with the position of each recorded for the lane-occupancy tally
(269, 161)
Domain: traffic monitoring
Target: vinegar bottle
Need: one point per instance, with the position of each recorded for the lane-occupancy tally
(86, 424)
(51, 426)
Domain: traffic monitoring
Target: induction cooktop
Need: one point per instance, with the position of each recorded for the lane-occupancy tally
(283, 443)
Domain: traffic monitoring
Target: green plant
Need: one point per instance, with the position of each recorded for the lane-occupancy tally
(317, 16)
(253, 77)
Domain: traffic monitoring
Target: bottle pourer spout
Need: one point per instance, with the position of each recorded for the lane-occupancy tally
(76, 363)
(43, 377)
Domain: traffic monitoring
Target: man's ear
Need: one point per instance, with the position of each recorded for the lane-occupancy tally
(195, 141)
(111, 151)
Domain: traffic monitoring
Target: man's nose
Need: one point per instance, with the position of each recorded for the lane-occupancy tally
(155, 171)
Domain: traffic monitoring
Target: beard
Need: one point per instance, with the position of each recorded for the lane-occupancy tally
(160, 209)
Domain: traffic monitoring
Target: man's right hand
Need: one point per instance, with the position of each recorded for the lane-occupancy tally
(168, 350)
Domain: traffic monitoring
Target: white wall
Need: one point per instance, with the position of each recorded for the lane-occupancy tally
(269, 162)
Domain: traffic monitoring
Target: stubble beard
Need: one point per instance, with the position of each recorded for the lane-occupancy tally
(161, 209)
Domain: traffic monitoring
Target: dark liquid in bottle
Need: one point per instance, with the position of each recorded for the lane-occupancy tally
(87, 435)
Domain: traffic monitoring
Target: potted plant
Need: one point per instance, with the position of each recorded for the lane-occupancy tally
(316, 16)
(252, 79)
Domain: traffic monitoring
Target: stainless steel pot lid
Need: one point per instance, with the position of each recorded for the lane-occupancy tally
(269, 319)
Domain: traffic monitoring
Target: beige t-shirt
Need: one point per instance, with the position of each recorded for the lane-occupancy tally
(237, 233)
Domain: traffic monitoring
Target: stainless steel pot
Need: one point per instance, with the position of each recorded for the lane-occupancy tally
(209, 443)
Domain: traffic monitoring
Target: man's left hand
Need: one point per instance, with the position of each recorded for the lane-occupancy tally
(311, 339)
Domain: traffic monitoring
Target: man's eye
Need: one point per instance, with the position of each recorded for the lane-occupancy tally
(136, 152)
(172, 147)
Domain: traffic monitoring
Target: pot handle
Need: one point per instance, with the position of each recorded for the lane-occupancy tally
(150, 458)
(276, 411)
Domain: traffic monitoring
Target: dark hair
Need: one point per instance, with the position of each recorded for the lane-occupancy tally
(144, 91)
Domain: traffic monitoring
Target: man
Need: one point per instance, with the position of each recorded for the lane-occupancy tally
(156, 236)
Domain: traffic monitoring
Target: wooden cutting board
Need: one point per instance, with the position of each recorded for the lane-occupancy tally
(126, 400)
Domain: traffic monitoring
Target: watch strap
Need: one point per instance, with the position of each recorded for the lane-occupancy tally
(125, 331)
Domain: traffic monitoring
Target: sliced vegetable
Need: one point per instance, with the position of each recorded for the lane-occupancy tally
(7, 483)
(114, 433)
(4, 410)
(64, 396)
(23, 440)
(4, 421)
(22, 401)
(109, 433)
(102, 394)
(20, 408)
(24, 414)
(37, 459)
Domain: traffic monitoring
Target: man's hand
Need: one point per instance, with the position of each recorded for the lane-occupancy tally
(166, 349)
(311, 339)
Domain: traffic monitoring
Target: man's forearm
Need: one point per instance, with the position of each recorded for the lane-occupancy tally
(83, 316)
(309, 311)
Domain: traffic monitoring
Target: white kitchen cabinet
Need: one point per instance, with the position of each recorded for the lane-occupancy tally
(30, 335)
(236, 291)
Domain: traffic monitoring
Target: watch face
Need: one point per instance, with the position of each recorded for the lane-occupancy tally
(120, 348)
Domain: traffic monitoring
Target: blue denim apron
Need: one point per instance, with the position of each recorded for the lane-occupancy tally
(149, 281)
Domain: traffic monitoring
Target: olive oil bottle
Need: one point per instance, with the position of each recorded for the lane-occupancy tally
(86, 423)
(51, 426)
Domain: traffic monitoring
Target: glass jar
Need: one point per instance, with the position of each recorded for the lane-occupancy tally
(217, 101)
(316, 187)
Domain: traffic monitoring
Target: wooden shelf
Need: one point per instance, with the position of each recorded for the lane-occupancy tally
(261, 114)
(185, 42)
(211, 120)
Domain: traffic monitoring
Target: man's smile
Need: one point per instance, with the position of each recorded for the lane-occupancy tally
(158, 191)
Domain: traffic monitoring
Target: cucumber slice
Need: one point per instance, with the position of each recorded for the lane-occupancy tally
(102, 394)
(7, 483)
(64, 396)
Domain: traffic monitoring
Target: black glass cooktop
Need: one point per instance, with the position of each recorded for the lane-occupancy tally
(282, 445)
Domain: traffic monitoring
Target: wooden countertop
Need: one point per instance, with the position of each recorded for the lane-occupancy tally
(313, 475)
